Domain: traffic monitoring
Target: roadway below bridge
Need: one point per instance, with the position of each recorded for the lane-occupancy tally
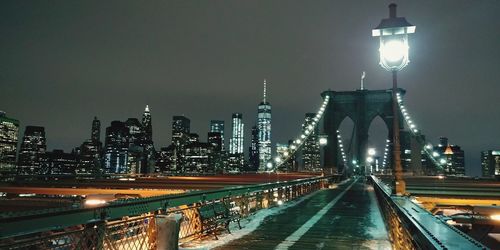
(345, 217)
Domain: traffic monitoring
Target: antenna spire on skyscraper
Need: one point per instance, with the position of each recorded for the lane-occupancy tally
(264, 99)
(147, 108)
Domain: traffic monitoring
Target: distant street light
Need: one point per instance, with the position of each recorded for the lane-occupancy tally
(369, 159)
(394, 56)
(371, 152)
(323, 140)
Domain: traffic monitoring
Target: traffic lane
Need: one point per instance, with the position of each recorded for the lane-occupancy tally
(275, 229)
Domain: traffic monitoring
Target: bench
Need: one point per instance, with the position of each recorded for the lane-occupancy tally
(216, 215)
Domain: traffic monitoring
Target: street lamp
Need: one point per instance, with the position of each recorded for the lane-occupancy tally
(323, 140)
(394, 56)
(371, 152)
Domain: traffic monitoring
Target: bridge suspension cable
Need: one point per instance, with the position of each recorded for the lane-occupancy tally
(434, 156)
(386, 154)
(300, 140)
(342, 152)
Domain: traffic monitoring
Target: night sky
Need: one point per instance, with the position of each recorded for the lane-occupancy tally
(64, 62)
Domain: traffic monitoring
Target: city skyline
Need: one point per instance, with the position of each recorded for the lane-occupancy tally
(39, 67)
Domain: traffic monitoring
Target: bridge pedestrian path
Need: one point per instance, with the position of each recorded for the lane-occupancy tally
(346, 217)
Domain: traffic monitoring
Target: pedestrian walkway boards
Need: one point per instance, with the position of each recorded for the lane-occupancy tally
(346, 217)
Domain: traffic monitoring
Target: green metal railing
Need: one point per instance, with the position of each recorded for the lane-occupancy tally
(130, 224)
(412, 227)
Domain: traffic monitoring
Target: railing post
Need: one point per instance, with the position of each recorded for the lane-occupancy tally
(280, 194)
(168, 231)
(100, 228)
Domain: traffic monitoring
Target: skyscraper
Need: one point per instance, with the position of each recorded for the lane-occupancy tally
(58, 162)
(311, 151)
(218, 154)
(147, 125)
(135, 138)
(236, 141)
(96, 130)
(490, 163)
(9, 132)
(181, 127)
(236, 159)
(218, 126)
(254, 150)
(180, 130)
(32, 148)
(147, 143)
(91, 151)
(166, 160)
(454, 156)
(264, 129)
(215, 139)
(116, 148)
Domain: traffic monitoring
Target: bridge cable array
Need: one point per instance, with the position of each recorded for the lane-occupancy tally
(434, 156)
(342, 152)
(300, 140)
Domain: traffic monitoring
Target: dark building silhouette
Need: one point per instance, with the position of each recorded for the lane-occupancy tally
(57, 162)
(218, 152)
(490, 163)
(180, 130)
(96, 130)
(32, 147)
(9, 133)
(90, 152)
(116, 149)
(253, 159)
(217, 126)
(147, 125)
(215, 138)
(166, 160)
(181, 127)
(148, 145)
(136, 135)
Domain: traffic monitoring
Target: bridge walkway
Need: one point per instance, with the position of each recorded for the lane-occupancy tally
(346, 217)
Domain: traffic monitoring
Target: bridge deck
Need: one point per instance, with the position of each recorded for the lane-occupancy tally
(346, 218)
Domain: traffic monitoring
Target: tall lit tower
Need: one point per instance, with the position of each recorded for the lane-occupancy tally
(116, 145)
(146, 124)
(149, 149)
(264, 128)
(236, 141)
(96, 130)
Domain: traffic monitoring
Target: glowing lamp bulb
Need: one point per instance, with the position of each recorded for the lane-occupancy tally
(323, 141)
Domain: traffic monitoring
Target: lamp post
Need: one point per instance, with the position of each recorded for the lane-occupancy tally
(393, 33)
(370, 159)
